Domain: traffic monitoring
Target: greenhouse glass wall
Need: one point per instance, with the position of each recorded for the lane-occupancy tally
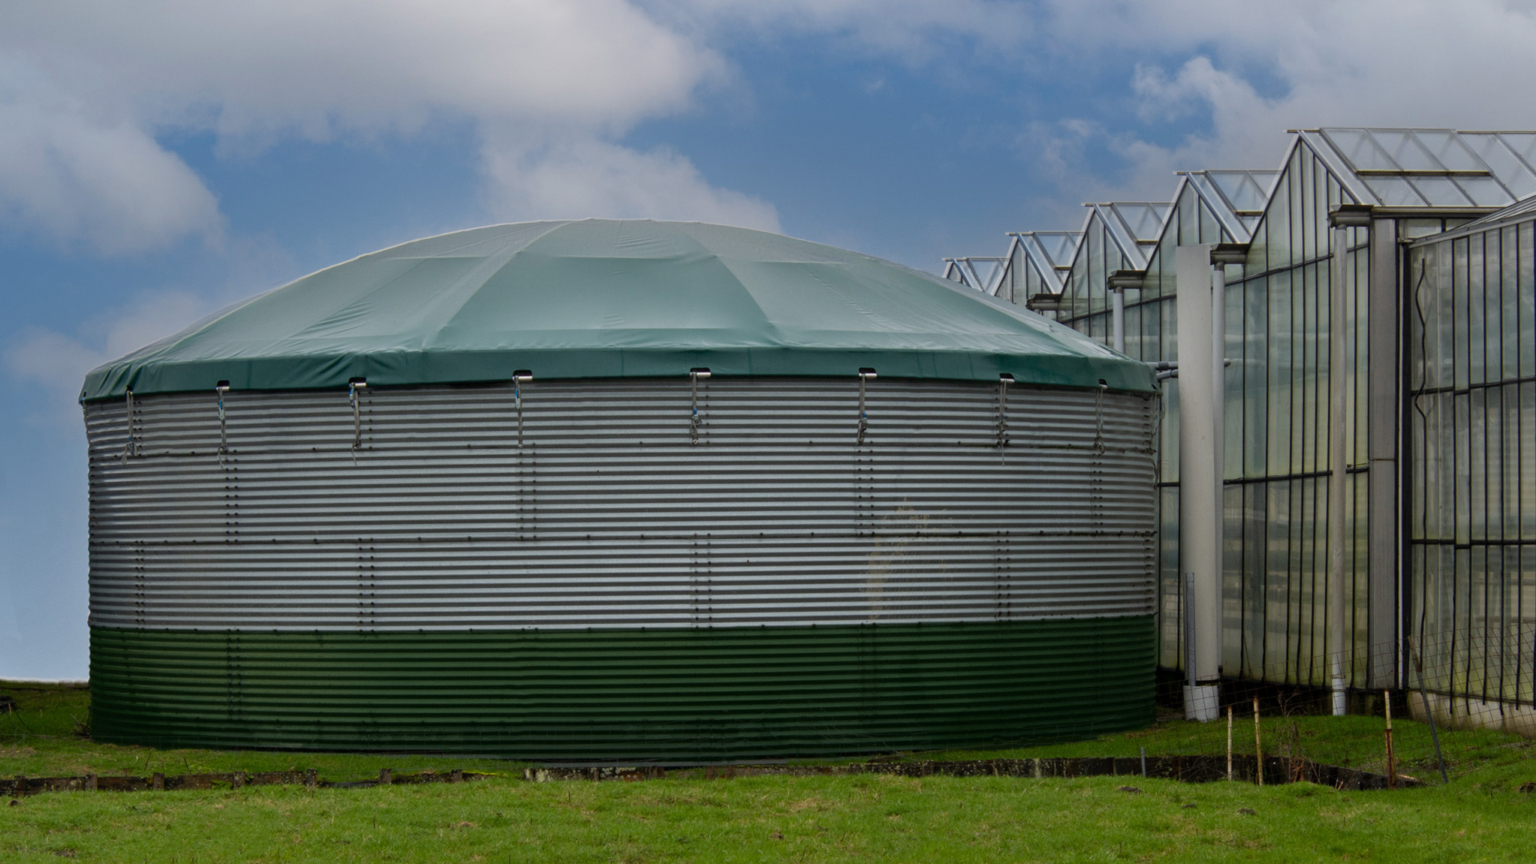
(1472, 447)
(1400, 185)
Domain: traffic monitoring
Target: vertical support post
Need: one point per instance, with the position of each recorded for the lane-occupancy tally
(1117, 318)
(1258, 743)
(1384, 404)
(1229, 743)
(1338, 652)
(1200, 477)
(1386, 699)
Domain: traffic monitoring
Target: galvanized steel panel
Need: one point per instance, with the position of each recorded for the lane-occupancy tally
(590, 506)
(659, 694)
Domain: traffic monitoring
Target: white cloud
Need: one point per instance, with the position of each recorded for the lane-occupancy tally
(578, 71)
(58, 362)
(322, 66)
(253, 73)
(1359, 63)
(87, 179)
(576, 179)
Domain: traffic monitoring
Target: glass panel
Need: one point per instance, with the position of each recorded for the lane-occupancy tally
(1298, 178)
(1095, 281)
(1258, 250)
(1133, 333)
(1144, 221)
(1509, 312)
(1309, 367)
(1461, 505)
(1527, 438)
(1443, 304)
(1170, 340)
(1151, 330)
(1445, 150)
(1394, 191)
(1527, 292)
(1232, 379)
(1506, 166)
(1461, 362)
(1357, 530)
(1281, 407)
(1522, 144)
(1477, 467)
(1484, 191)
(1357, 148)
(1308, 500)
(1411, 228)
(1476, 326)
(1210, 228)
(1509, 397)
(1277, 614)
(1253, 555)
(1278, 220)
(1232, 580)
(1255, 361)
(1442, 192)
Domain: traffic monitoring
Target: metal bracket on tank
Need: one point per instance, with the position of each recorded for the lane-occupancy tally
(353, 388)
(865, 374)
(133, 446)
(693, 424)
(1003, 381)
(1098, 409)
(518, 378)
(221, 388)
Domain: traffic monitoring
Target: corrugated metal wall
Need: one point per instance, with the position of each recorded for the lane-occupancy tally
(589, 504)
(661, 694)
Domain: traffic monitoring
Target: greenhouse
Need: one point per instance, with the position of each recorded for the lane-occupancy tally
(1342, 208)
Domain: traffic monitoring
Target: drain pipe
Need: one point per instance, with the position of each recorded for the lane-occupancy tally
(1201, 313)
(1199, 483)
(1119, 281)
(1342, 219)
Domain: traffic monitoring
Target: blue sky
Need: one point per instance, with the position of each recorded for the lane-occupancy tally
(161, 159)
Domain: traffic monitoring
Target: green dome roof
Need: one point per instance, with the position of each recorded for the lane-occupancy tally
(603, 298)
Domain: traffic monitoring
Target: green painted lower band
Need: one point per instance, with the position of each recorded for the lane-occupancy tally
(678, 695)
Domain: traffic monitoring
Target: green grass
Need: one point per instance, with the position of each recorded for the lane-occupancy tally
(1479, 816)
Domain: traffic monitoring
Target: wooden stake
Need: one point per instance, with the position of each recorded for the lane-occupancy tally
(1391, 762)
(1229, 743)
(1258, 742)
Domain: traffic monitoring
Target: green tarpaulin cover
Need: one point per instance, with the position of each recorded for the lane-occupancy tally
(603, 298)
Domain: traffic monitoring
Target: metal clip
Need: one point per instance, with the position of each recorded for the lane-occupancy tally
(518, 378)
(131, 446)
(353, 388)
(865, 374)
(1003, 381)
(221, 388)
(693, 424)
(1098, 438)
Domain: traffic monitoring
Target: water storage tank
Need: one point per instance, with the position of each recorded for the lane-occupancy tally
(620, 490)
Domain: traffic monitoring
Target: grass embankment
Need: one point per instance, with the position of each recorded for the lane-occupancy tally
(1479, 816)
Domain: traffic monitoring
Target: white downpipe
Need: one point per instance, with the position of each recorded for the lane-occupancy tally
(1200, 364)
(1337, 638)
(1117, 318)
(1219, 412)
